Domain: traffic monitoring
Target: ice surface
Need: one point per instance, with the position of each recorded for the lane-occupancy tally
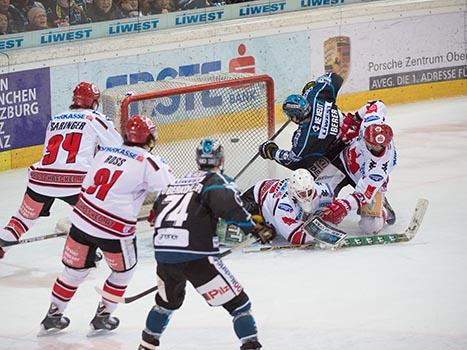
(405, 296)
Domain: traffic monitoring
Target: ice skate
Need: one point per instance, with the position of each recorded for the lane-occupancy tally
(102, 322)
(251, 345)
(53, 322)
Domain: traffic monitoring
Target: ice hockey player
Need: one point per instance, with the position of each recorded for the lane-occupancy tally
(287, 204)
(69, 147)
(322, 129)
(186, 247)
(365, 164)
(105, 217)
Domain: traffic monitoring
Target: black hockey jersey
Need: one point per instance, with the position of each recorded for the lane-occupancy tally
(187, 213)
(319, 137)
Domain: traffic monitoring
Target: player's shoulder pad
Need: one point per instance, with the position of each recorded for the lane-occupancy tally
(217, 180)
(102, 116)
(155, 159)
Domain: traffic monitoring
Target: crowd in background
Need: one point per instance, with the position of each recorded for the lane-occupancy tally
(26, 15)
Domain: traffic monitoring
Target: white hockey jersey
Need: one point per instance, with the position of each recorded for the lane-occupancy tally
(70, 143)
(285, 216)
(114, 190)
(369, 172)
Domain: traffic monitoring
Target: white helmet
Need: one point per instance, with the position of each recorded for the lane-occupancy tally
(302, 189)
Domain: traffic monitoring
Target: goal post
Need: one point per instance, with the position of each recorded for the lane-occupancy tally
(236, 109)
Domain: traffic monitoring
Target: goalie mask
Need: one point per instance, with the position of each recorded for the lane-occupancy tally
(302, 189)
(297, 108)
(209, 154)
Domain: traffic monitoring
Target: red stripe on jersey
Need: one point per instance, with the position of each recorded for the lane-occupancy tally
(53, 185)
(96, 225)
(66, 171)
(56, 178)
(92, 205)
(153, 164)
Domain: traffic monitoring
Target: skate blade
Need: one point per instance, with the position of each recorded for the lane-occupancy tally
(46, 332)
(96, 332)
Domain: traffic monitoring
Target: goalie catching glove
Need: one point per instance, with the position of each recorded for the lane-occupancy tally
(268, 149)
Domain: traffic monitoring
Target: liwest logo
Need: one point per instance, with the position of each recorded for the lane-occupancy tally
(65, 36)
(241, 64)
(253, 10)
(199, 18)
(315, 3)
(133, 27)
(11, 43)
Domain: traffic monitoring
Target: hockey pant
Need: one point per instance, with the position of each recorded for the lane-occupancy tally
(79, 257)
(212, 279)
(33, 206)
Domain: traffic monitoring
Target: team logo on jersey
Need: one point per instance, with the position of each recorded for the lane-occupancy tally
(385, 167)
(371, 118)
(288, 221)
(376, 177)
(369, 191)
(286, 207)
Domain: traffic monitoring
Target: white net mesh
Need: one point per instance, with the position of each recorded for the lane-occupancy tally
(239, 115)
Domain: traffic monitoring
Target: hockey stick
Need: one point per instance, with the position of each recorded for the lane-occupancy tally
(35, 239)
(247, 165)
(127, 300)
(385, 238)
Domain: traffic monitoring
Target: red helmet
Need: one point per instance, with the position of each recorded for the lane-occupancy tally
(85, 94)
(378, 135)
(139, 128)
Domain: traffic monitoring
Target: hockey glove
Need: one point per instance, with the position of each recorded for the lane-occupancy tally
(336, 211)
(350, 127)
(264, 233)
(152, 217)
(268, 149)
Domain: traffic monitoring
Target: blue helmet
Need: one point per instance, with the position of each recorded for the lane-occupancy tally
(296, 107)
(209, 153)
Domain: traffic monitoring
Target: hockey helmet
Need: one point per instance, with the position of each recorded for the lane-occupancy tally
(85, 95)
(302, 189)
(378, 136)
(296, 107)
(209, 153)
(140, 130)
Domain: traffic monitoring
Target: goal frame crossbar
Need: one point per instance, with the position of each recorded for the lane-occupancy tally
(207, 86)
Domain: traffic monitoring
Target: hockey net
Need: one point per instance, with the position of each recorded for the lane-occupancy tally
(236, 109)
